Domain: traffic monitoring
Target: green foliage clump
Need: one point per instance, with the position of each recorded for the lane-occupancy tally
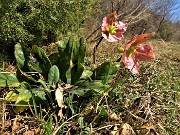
(40, 22)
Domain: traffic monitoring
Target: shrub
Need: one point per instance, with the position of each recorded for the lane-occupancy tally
(40, 22)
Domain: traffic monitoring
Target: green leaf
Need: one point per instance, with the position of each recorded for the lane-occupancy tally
(76, 72)
(82, 50)
(86, 73)
(81, 122)
(23, 76)
(8, 79)
(19, 55)
(39, 94)
(24, 96)
(12, 80)
(11, 96)
(79, 50)
(53, 76)
(103, 72)
(42, 63)
(98, 87)
(54, 58)
(103, 112)
(43, 83)
(68, 76)
(24, 92)
(3, 80)
(65, 58)
(22, 55)
(84, 88)
(62, 45)
(115, 67)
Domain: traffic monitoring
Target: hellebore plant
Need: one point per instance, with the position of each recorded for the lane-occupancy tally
(134, 52)
(112, 29)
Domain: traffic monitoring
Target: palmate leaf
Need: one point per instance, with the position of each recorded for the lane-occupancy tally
(86, 73)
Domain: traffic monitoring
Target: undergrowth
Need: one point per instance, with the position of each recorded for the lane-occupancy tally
(135, 104)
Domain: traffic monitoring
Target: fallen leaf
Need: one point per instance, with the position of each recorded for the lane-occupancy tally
(28, 133)
(113, 116)
(59, 98)
(127, 129)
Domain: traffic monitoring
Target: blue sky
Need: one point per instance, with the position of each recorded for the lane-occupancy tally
(176, 12)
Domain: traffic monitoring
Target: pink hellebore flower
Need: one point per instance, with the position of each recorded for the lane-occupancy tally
(112, 29)
(135, 52)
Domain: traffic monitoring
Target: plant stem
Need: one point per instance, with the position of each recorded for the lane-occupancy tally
(119, 73)
(95, 48)
(118, 60)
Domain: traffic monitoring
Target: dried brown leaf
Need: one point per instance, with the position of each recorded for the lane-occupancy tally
(127, 130)
(113, 116)
(28, 133)
(59, 98)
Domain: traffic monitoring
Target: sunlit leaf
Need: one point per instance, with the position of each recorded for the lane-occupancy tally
(20, 58)
(11, 96)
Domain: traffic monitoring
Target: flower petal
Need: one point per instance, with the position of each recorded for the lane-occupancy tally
(142, 38)
(112, 30)
(133, 52)
(144, 52)
(128, 45)
(109, 37)
(131, 64)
